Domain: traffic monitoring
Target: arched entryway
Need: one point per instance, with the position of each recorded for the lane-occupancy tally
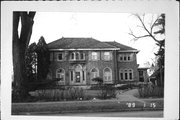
(77, 74)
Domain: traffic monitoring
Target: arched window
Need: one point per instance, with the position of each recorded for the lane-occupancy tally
(60, 73)
(82, 56)
(130, 74)
(77, 56)
(121, 74)
(107, 74)
(126, 74)
(94, 73)
(72, 56)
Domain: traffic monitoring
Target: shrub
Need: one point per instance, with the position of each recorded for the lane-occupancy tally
(151, 91)
(107, 91)
(70, 93)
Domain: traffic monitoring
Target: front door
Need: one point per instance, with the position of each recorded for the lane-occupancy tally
(77, 74)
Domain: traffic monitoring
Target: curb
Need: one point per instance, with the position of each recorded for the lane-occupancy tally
(85, 111)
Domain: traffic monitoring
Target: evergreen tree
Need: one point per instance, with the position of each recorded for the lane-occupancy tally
(160, 54)
(43, 59)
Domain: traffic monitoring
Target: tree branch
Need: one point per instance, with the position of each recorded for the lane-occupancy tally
(152, 26)
(145, 28)
(138, 37)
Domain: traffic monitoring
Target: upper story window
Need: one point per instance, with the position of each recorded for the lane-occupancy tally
(107, 56)
(72, 56)
(82, 56)
(59, 56)
(77, 56)
(121, 57)
(94, 55)
(125, 57)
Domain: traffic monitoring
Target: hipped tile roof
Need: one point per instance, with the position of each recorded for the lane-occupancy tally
(85, 43)
(121, 46)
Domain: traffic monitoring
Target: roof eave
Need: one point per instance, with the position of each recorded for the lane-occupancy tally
(72, 49)
(135, 51)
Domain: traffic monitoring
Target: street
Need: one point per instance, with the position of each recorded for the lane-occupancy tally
(151, 114)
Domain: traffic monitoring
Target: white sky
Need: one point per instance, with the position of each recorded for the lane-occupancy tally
(100, 26)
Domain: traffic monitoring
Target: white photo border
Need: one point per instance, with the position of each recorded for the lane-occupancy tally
(170, 8)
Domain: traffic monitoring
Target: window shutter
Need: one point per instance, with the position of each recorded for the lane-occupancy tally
(111, 56)
(102, 55)
(90, 55)
(65, 55)
(98, 55)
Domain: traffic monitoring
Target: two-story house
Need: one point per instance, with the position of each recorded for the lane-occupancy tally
(78, 60)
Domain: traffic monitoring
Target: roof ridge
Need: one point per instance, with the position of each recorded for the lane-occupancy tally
(79, 42)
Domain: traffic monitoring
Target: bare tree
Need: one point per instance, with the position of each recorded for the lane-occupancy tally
(150, 30)
(155, 27)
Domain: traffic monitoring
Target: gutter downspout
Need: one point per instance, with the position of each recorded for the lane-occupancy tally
(115, 67)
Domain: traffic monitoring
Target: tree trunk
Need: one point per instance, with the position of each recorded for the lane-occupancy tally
(20, 45)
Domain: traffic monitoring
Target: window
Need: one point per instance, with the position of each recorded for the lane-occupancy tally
(71, 73)
(121, 76)
(126, 57)
(78, 73)
(59, 56)
(60, 73)
(94, 56)
(107, 75)
(130, 74)
(94, 73)
(82, 56)
(140, 73)
(121, 58)
(83, 73)
(106, 55)
(126, 74)
(77, 56)
(72, 56)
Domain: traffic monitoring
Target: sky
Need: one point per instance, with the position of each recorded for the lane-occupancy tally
(100, 26)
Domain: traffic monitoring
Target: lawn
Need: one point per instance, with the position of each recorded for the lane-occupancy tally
(84, 106)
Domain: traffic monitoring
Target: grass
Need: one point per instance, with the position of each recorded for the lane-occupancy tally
(81, 106)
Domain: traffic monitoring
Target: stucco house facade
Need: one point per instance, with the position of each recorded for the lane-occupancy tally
(78, 60)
